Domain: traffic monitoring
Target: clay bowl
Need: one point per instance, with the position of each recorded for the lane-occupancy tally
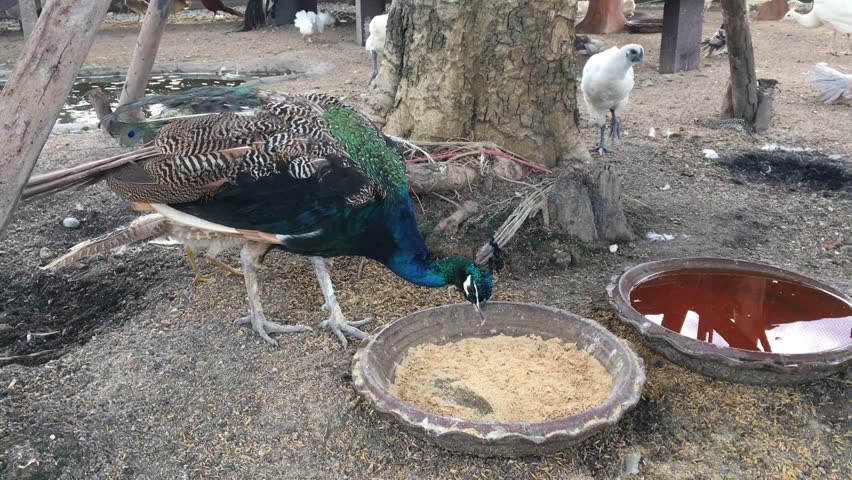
(739, 364)
(375, 363)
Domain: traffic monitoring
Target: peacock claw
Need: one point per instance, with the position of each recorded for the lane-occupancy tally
(199, 278)
(341, 328)
(264, 327)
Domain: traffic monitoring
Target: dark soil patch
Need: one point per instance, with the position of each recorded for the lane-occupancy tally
(808, 171)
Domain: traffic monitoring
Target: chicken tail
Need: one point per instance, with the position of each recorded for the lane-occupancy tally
(143, 228)
(833, 86)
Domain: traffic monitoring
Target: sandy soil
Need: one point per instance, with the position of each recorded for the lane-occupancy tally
(155, 382)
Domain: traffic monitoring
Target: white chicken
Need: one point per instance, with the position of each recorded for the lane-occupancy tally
(606, 85)
(375, 43)
(310, 23)
(833, 86)
(833, 14)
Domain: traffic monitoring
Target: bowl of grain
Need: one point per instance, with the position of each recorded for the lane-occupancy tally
(530, 380)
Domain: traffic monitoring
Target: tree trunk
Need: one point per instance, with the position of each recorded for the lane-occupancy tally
(36, 91)
(498, 70)
(774, 10)
(156, 17)
(744, 96)
(604, 16)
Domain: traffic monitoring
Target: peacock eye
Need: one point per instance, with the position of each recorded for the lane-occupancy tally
(131, 133)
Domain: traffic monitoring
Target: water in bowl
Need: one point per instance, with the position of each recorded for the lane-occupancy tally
(747, 312)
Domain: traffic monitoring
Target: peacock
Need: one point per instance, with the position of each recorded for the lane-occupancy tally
(307, 174)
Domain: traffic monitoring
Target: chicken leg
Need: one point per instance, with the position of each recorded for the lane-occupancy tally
(336, 322)
(600, 148)
(615, 129)
(374, 58)
(251, 255)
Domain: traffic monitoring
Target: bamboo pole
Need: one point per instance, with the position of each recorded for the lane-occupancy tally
(146, 50)
(34, 95)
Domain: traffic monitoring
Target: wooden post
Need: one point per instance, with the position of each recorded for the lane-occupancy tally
(34, 95)
(741, 59)
(29, 15)
(364, 10)
(773, 10)
(603, 16)
(680, 47)
(145, 52)
(285, 11)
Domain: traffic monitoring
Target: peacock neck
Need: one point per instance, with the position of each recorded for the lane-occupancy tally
(408, 257)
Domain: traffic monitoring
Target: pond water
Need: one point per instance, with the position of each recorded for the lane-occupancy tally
(78, 110)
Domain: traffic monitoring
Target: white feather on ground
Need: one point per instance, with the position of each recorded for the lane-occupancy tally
(833, 86)
(607, 83)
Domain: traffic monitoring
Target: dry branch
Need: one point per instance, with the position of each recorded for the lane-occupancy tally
(450, 225)
(34, 95)
(146, 50)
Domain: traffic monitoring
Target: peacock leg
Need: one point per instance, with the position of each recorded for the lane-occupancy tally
(336, 321)
(250, 256)
(199, 278)
(615, 129)
(600, 148)
(224, 266)
(374, 58)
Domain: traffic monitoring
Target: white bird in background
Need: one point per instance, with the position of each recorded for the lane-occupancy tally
(629, 8)
(833, 86)
(375, 43)
(833, 14)
(310, 23)
(606, 85)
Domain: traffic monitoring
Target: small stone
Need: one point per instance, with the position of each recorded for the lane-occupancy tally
(347, 81)
(666, 187)
(631, 463)
(45, 253)
(71, 222)
(835, 157)
(613, 248)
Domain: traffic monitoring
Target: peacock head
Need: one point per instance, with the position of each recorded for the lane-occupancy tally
(474, 283)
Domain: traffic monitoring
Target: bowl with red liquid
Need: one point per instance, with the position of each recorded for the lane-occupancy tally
(737, 320)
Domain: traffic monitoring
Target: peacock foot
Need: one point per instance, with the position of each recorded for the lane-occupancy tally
(341, 328)
(264, 327)
(199, 278)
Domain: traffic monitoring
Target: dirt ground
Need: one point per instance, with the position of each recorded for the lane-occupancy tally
(145, 376)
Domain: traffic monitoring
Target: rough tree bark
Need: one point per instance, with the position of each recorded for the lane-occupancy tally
(500, 71)
(497, 70)
(741, 59)
(36, 91)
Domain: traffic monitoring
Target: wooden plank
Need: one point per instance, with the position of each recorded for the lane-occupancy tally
(364, 11)
(29, 15)
(34, 95)
(285, 10)
(147, 44)
(680, 48)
